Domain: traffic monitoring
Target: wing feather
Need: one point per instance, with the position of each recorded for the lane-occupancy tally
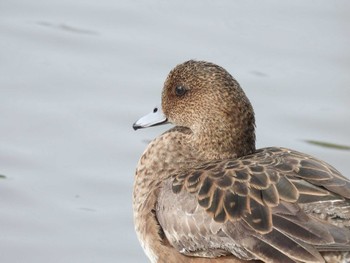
(256, 207)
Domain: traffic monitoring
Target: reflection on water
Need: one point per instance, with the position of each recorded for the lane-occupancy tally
(68, 100)
(328, 145)
(67, 28)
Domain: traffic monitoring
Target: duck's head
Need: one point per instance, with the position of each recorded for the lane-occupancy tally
(205, 98)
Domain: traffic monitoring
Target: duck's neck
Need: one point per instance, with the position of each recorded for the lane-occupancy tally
(224, 140)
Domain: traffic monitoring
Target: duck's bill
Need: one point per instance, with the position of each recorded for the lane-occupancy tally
(156, 117)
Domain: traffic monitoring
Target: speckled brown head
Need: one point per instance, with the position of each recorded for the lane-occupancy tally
(205, 98)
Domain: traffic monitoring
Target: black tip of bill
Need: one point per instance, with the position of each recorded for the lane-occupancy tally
(135, 126)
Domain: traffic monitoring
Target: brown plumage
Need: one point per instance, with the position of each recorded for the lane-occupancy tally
(203, 194)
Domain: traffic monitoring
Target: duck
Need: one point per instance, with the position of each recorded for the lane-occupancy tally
(203, 193)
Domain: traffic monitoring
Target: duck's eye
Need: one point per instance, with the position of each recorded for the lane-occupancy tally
(180, 90)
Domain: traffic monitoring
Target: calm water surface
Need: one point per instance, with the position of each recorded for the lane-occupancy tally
(75, 75)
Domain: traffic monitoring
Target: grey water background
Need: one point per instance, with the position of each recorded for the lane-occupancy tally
(75, 75)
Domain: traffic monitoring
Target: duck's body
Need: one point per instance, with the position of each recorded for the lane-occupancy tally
(203, 194)
(147, 190)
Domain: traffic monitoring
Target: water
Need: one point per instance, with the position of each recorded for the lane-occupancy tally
(75, 75)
